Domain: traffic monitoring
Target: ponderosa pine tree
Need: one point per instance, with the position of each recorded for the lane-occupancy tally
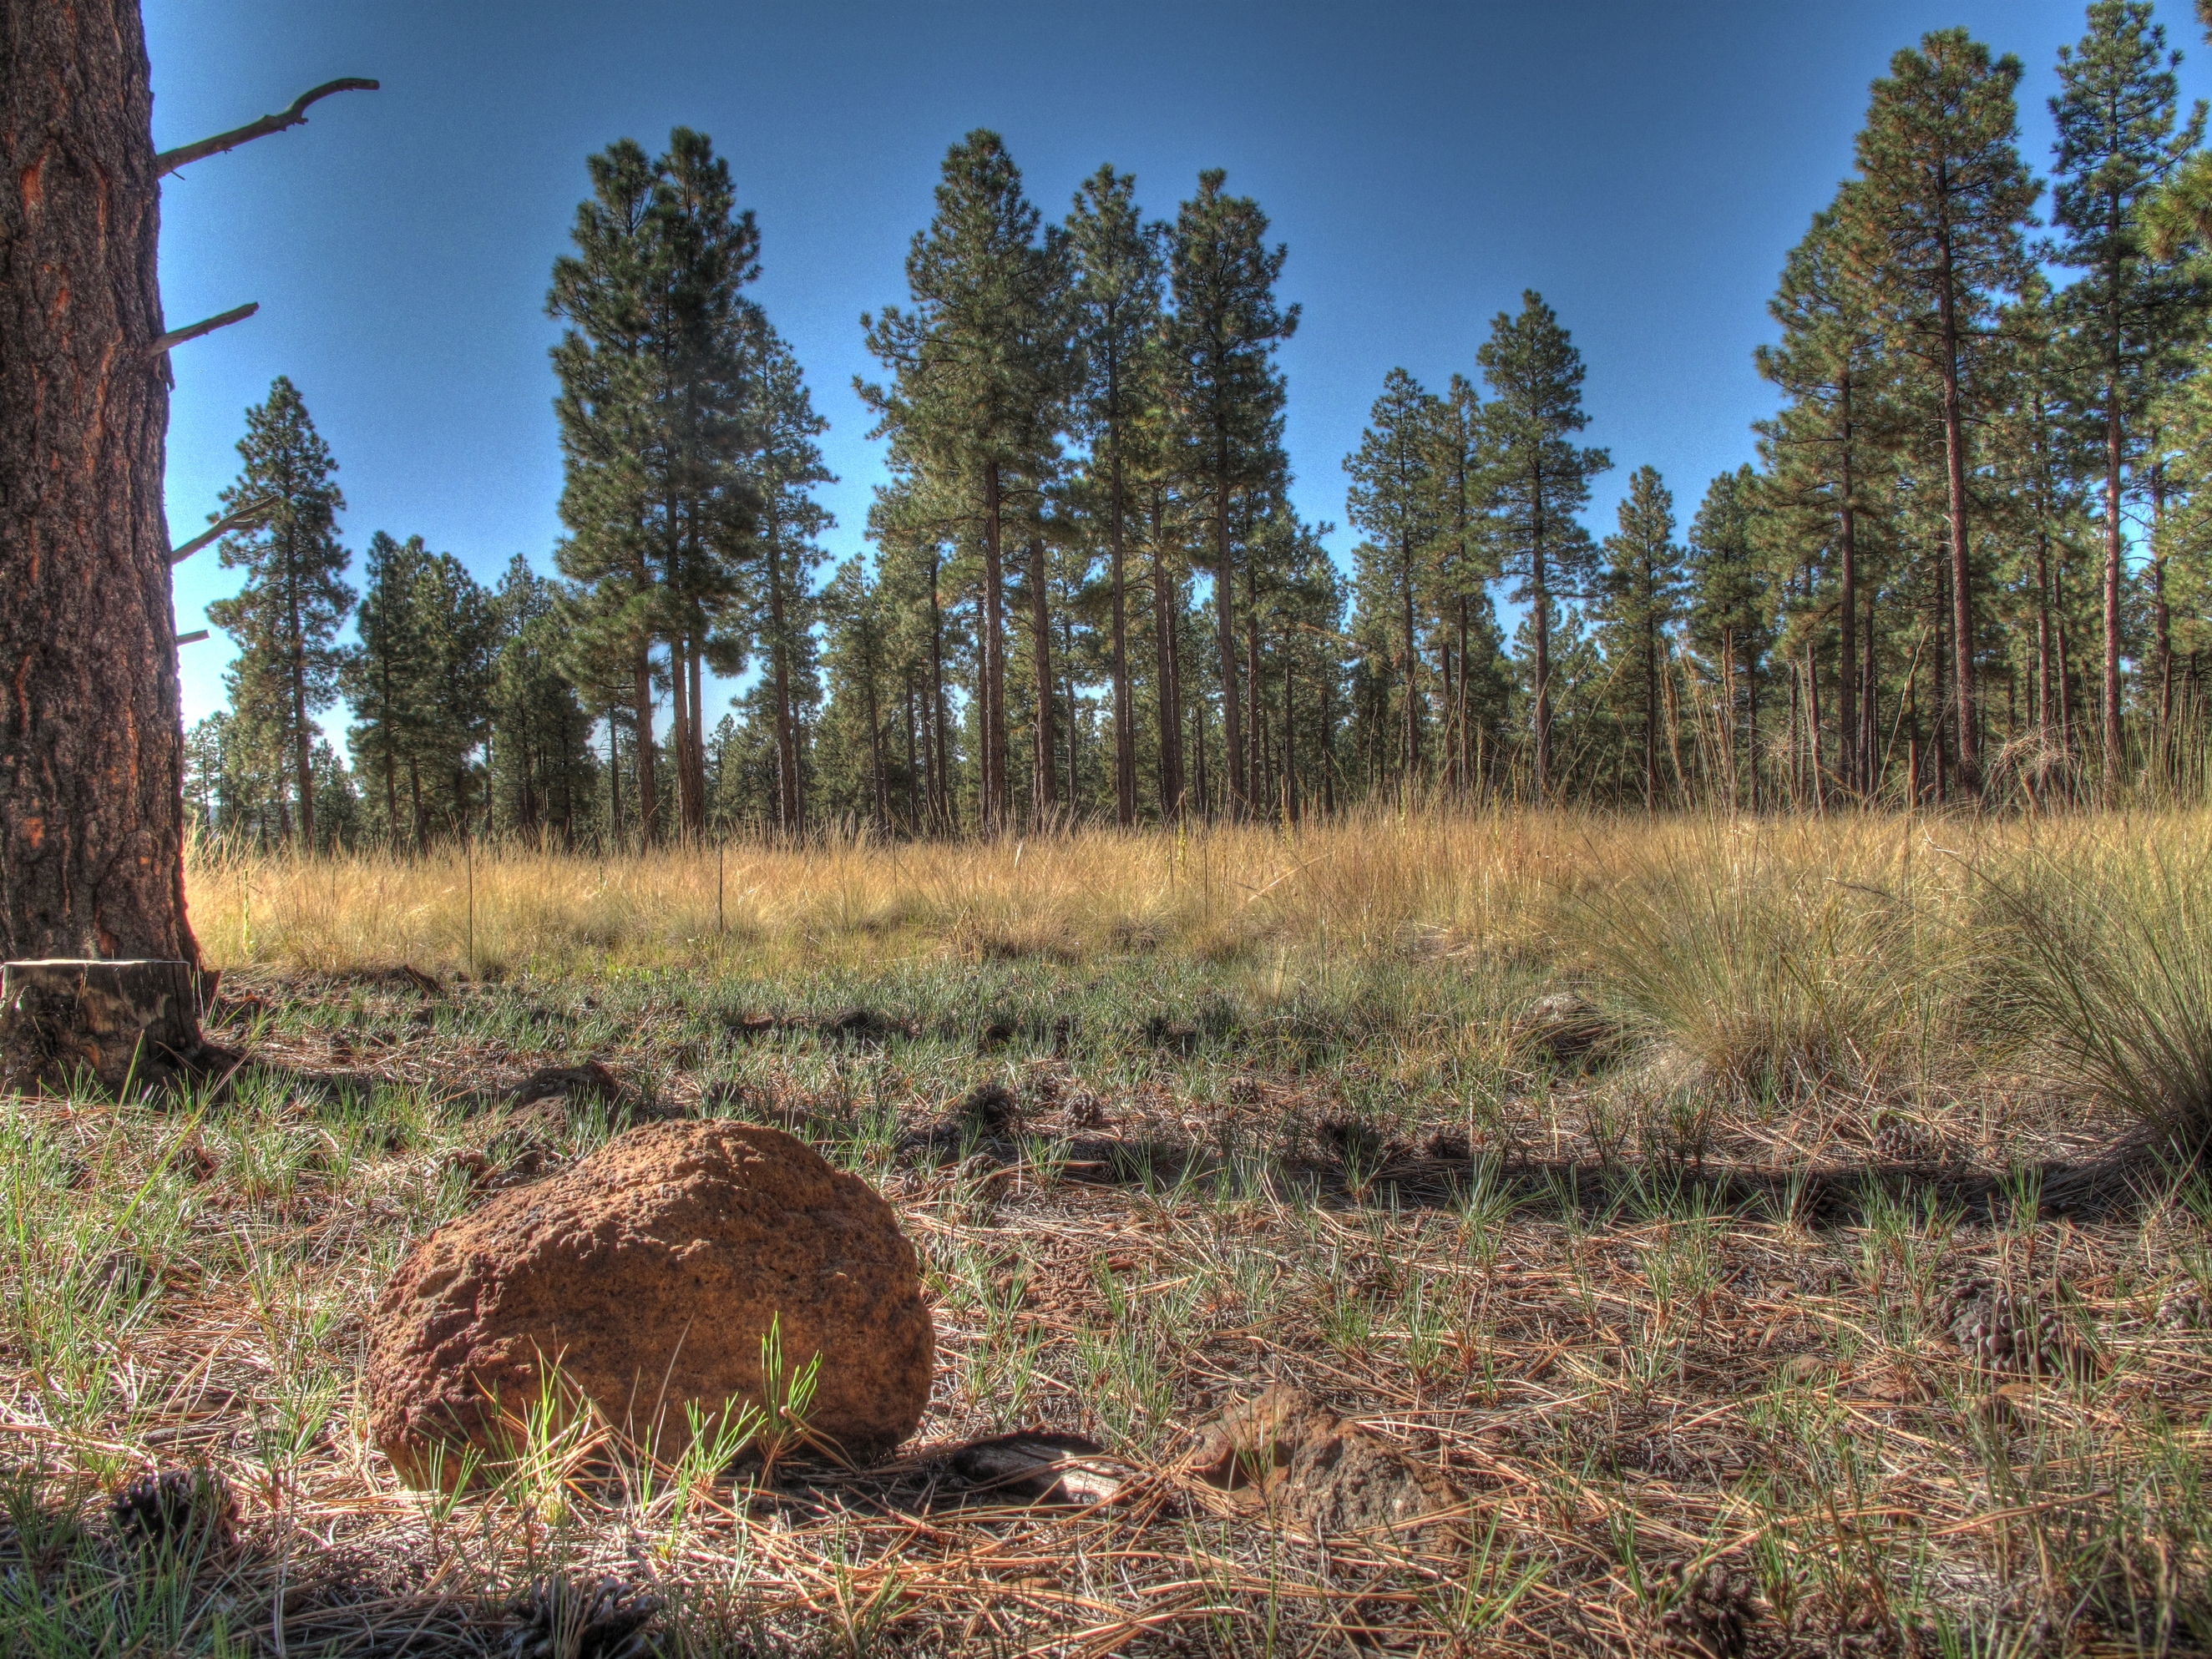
(1393, 497)
(784, 464)
(2132, 315)
(1639, 595)
(1542, 480)
(1731, 618)
(606, 427)
(1936, 225)
(285, 619)
(543, 771)
(978, 364)
(655, 493)
(378, 674)
(1825, 442)
(1228, 397)
(91, 757)
(1116, 296)
(1466, 563)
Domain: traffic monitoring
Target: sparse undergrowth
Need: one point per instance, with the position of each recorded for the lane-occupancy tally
(1767, 1347)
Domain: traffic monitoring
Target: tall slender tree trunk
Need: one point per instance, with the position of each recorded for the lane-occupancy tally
(679, 728)
(91, 742)
(1413, 666)
(1225, 604)
(303, 744)
(998, 800)
(1847, 609)
(786, 735)
(1255, 758)
(1541, 613)
(941, 802)
(1125, 714)
(649, 793)
(1651, 698)
(913, 786)
(1167, 687)
(1045, 789)
(1962, 571)
(2114, 730)
(2161, 619)
(1460, 710)
(2043, 635)
(698, 734)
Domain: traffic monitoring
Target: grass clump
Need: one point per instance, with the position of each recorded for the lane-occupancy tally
(2114, 976)
(1775, 968)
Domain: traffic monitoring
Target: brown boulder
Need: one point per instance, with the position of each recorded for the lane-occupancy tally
(650, 1272)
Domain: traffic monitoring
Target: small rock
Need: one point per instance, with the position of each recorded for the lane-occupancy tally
(587, 1081)
(1324, 1475)
(647, 1274)
(1039, 1467)
(1567, 1028)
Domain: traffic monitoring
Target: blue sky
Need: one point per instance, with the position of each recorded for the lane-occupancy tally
(1646, 166)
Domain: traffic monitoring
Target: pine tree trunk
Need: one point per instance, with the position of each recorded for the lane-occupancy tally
(1225, 604)
(1167, 689)
(649, 793)
(1541, 613)
(91, 744)
(1125, 725)
(679, 728)
(997, 796)
(1412, 673)
(1046, 789)
(786, 739)
(1962, 570)
(2114, 557)
(1847, 706)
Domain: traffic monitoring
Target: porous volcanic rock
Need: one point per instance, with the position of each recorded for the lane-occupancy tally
(650, 1272)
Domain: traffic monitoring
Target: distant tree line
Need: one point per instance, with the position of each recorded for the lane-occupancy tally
(1970, 561)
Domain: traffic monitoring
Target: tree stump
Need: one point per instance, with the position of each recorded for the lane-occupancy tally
(131, 1023)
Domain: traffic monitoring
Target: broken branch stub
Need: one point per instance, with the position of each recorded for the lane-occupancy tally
(295, 115)
(126, 1023)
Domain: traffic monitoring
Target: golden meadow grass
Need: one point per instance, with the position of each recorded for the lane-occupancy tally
(1502, 880)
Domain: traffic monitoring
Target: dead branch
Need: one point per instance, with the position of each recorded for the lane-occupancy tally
(170, 160)
(192, 638)
(230, 521)
(177, 336)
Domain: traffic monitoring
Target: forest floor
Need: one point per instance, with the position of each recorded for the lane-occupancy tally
(1678, 1319)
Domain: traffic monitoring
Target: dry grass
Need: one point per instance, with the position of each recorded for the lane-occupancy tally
(1655, 1321)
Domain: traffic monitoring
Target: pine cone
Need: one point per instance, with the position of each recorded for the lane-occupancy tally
(174, 1506)
(1710, 1611)
(555, 1619)
(1907, 1141)
(2000, 1331)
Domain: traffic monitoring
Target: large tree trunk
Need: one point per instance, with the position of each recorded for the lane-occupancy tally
(91, 748)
